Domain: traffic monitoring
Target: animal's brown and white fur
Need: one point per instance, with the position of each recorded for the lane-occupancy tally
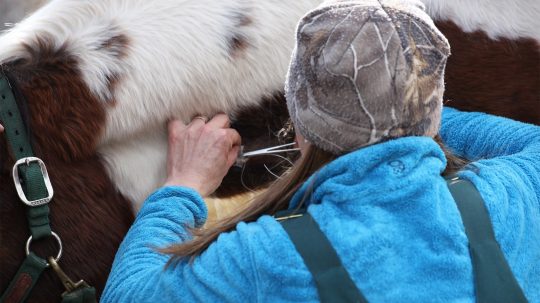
(99, 80)
(495, 61)
(179, 58)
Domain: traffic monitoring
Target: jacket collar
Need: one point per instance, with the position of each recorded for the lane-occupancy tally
(378, 168)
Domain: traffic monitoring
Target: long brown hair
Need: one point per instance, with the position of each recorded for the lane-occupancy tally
(274, 199)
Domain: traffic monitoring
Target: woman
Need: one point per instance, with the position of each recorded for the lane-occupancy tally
(364, 92)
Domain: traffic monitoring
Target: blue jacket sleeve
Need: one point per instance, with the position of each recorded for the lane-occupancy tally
(139, 274)
(506, 153)
(506, 156)
(477, 136)
(506, 171)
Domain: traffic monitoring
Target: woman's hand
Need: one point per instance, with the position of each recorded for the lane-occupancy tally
(200, 154)
(1, 128)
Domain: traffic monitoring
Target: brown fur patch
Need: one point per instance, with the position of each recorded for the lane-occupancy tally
(238, 45)
(244, 20)
(238, 42)
(88, 213)
(67, 118)
(118, 47)
(500, 77)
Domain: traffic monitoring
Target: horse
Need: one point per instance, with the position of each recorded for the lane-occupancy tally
(97, 81)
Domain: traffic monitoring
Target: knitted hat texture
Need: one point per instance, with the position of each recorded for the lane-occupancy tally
(364, 72)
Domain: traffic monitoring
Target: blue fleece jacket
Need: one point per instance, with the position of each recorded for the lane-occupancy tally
(385, 209)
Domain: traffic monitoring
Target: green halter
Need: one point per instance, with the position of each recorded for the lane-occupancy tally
(35, 191)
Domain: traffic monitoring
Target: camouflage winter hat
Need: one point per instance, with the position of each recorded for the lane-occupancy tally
(366, 71)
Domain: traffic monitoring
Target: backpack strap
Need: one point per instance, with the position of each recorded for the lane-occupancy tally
(332, 280)
(493, 279)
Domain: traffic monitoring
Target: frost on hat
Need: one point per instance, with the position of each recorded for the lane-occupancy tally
(366, 71)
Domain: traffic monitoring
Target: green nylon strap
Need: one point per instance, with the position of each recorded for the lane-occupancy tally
(493, 279)
(81, 295)
(12, 120)
(333, 282)
(31, 175)
(38, 221)
(24, 280)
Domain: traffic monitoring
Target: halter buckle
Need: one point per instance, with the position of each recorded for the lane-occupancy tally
(26, 161)
(69, 285)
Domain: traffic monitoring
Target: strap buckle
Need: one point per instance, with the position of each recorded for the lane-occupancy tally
(69, 285)
(26, 161)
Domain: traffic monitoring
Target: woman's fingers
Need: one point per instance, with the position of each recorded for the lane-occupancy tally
(175, 126)
(200, 154)
(1, 128)
(236, 141)
(219, 121)
(233, 136)
(233, 155)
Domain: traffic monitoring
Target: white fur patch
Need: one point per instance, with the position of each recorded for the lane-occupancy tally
(179, 65)
(137, 166)
(511, 19)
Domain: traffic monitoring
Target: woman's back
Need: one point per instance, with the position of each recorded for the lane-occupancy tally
(396, 228)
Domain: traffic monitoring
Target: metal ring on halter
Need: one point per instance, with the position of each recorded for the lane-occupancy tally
(203, 118)
(58, 256)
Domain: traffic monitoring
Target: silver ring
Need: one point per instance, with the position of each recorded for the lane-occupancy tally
(203, 118)
(58, 256)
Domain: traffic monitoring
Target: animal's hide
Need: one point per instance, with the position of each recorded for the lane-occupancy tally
(500, 77)
(178, 59)
(87, 211)
(495, 61)
(101, 78)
